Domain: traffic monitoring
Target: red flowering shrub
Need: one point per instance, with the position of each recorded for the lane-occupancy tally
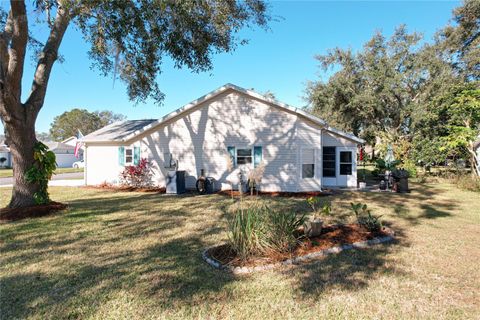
(137, 176)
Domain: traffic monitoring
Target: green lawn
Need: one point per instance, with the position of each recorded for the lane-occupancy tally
(5, 173)
(137, 256)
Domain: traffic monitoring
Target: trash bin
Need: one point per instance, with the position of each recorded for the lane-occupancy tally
(209, 185)
(175, 182)
(401, 180)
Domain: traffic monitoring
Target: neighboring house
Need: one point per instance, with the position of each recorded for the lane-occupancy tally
(5, 156)
(64, 154)
(71, 141)
(300, 151)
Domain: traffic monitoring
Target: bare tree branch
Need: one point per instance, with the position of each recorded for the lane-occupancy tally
(47, 58)
(17, 51)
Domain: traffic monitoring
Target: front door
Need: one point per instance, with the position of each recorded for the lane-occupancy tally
(346, 167)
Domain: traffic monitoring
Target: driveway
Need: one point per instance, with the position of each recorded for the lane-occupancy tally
(75, 176)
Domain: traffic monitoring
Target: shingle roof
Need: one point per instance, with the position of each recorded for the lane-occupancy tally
(52, 145)
(127, 130)
(117, 131)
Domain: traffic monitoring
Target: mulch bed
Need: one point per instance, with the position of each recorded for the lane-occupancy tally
(126, 188)
(280, 194)
(331, 236)
(7, 214)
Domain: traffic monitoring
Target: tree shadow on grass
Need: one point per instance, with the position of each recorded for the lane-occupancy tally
(356, 269)
(82, 269)
(349, 270)
(172, 272)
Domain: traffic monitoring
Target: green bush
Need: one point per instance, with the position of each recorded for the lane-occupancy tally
(258, 231)
(467, 182)
(248, 232)
(41, 172)
(410, 166)
(282, 227)
(365, 217)
(381, 166)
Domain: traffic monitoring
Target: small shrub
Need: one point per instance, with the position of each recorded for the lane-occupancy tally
(137, 176)
(326, 209)
(315, 203)
(255, 177)
(282, 229)
(258, 231)
(410, 166)
(41, 171)
(365, 218)
(381, 166)
(467, 182)
(248, 234)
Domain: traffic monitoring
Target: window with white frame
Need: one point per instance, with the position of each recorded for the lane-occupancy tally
(244, 156)
(329, 162)
(346, 162)
(128, 156)
(308, 163)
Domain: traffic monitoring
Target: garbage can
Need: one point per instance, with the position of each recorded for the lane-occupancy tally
(175, 182)
(401, 180)
(209, 185)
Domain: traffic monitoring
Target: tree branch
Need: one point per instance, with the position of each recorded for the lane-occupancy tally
(47, 58)
(18, 48)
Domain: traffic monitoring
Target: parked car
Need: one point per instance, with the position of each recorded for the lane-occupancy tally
(78, 164)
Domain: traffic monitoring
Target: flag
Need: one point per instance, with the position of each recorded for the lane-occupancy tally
(79, 144)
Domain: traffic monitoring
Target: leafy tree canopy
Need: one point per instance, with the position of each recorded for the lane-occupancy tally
(128, 39)
(68, 123)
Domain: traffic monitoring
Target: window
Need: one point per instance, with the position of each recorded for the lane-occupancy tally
(244, 156)
(329, 160)
(345, 163)
(128, 156)
(308, 163)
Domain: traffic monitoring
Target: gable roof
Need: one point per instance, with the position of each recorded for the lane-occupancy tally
(118, 131)
(126, 130)
(58, 145)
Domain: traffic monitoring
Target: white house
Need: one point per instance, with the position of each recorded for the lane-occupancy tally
(64, 153)
(5, 156)
(71, 141)
(300, 152)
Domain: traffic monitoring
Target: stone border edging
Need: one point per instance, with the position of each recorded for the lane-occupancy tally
(297, 260)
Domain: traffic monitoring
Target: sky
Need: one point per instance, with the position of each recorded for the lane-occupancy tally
(280, 60)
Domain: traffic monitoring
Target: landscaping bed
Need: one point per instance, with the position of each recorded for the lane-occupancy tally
(333, 239)
(7, 214)
(325, 193)
(123, 188)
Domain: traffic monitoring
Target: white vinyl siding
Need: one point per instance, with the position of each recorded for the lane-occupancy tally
(199, 139)
(308, 163)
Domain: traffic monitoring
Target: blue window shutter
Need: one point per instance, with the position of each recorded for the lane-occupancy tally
(257, 156)
(231, 151)
(136, 155)
(121, 156)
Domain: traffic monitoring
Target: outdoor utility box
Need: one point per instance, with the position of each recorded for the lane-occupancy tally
(209, 185)
(175, 182)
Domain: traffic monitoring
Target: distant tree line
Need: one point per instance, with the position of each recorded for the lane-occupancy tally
(422, 98)
(70, 122)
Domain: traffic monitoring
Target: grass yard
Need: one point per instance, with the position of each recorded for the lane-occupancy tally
(137, 256)
(6, 173)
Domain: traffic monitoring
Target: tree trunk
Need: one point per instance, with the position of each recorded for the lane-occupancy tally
(21, 140)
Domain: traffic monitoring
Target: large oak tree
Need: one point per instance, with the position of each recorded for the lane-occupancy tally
(127, 38)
